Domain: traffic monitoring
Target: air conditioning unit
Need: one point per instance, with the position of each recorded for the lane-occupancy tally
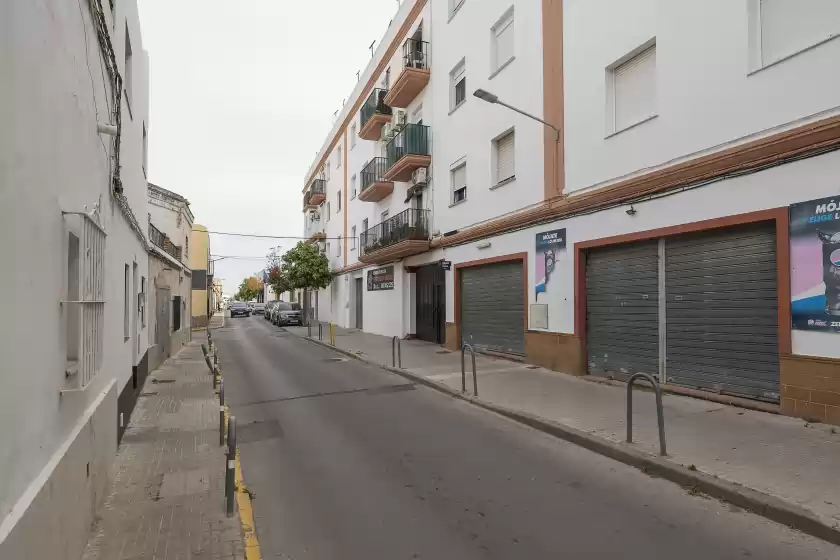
(399, 118)
(314, 216)
(420, 176)
(387, 132)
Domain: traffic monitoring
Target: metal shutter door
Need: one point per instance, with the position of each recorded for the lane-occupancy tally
(493, 307)
(722, 321)
(622, 309)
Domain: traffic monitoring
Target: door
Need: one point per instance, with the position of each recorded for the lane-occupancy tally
(493, 307)
(360, 292)
(622, 309)
(722, 311)
(162, 314)
(431, 303)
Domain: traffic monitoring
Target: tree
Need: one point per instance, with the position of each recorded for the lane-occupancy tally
(249, 289)
(276, 279)
(305, 267)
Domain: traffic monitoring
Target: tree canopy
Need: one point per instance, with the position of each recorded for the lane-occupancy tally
(249, 289)
(305, 267)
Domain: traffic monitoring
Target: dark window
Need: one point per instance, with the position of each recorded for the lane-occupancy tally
(461, 91)
(176, 313)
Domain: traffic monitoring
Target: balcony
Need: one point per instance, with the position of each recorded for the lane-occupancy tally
(163, 242)
(414, 76)
(407, 151)
(374, 186)
(313, 228)
(374, 114)
(315, 195)
(403, 235)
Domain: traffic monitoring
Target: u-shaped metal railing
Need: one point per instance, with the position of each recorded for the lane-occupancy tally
(464, 347)
(396, 352)
(660, 415)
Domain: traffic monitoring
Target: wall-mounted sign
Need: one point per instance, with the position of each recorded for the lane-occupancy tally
(446, 265)
(380, 279)
(548, 242)
(815, 264)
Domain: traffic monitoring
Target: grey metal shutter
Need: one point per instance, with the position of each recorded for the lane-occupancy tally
(722, 311)
(622, 308)
(493, 307)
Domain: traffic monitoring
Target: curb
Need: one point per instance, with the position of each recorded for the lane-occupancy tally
(755, 501)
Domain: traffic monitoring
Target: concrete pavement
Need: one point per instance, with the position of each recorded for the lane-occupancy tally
(167, 501)
(784, 458)
(349, 461)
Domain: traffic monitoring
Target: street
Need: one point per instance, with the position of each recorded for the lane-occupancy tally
(346, 460)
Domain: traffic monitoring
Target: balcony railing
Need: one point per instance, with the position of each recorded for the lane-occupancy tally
(373, 172)
(160, 239)
(316, 193)
(416, 54)
(375, 104)
(408, 225)
(413, 139)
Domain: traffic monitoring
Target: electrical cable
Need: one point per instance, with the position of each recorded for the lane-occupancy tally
(259, 236)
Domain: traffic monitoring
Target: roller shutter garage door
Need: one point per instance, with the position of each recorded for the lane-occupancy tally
(622, 322)
(493, 307)
(722, 311)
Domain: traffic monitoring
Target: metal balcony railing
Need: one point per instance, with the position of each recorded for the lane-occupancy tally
(416, 54)
(373, 172)
(375, 104)
(318, 187)
(412, 139)
(411, 224)
(160, 239)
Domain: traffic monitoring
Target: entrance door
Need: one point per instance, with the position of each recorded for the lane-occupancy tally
(162, 314)
(493, 307)
(431, 303)
(360, 292)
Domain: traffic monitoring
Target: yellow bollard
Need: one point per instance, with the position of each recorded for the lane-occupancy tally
(332, 334)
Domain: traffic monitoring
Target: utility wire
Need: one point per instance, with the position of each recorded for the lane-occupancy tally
(236, 234)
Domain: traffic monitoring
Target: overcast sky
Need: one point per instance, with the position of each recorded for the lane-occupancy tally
(242, 97)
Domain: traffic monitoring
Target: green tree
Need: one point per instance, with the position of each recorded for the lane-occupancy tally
(305, 267)
(276, 279)
(249, 289)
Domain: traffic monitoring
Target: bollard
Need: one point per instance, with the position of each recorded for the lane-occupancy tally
(230, 472)
(396, 352)
(204, 350)
(309, 329)
(215, 357)
(221, 413)
(464, 347)
(332, 334)
(660, 414)
(215, 377)
(320, 332)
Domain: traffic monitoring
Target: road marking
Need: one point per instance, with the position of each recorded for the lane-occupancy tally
(246, 515)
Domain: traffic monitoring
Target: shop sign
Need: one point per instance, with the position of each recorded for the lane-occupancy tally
(815, 264)
(548, 242)
(380, 279)
(446, 265)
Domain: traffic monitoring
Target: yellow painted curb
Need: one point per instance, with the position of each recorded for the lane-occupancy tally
(246, 516)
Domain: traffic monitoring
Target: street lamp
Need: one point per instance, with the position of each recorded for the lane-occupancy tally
(494, 99)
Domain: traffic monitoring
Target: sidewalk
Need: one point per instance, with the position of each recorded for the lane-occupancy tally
(168, 496)
(776, 455)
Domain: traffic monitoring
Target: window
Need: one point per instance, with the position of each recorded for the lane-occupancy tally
(141, 301)
(353, 237)
(504, 155)
(631, 90)
(388, 78)
(338, 209)
(352, 187)
(502, 42)
(176, 313)
(328, 211)
(352, 136)
(187, 247)
(458, 85)
(459, 184)
(384, 216)
(73, 311)
(781, 28)
(338, 162)
(454, 6)
(145, 150)
(326, 171)
(328, 248)
(127, 72)
(339, 246)
(364, 225)
(126, 306)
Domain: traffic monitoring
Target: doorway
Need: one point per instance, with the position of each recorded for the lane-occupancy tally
(431, 303)
(162, 313)
(360, 287)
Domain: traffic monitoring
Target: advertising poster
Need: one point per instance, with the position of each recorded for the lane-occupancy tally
(548, 243)
(815, 264)
(380, 279)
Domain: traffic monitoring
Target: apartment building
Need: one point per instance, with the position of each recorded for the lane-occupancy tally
(203, 299)
(74, 107)
(683, 221)
(170, 293)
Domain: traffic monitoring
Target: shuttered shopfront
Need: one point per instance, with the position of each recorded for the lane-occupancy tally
(714, 303)
(493, 307)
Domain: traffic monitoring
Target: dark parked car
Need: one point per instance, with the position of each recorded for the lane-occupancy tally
(285, 313)
(239, 309)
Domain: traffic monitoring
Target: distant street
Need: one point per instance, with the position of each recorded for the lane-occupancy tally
(348, 461)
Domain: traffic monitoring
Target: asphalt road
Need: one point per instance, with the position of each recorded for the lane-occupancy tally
(348, 461)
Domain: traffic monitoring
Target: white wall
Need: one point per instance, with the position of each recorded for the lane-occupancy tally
(706, 92)
(53, 160)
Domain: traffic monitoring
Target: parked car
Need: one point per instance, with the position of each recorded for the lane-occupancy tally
(268, 307)
(239, 309)
(285, 313)
(258, 309)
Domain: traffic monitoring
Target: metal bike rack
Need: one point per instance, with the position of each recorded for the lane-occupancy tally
(396, 352)
(464, 347)
(660, 415)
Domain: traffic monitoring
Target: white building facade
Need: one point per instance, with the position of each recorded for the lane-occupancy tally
(683, 223)
(73, 192)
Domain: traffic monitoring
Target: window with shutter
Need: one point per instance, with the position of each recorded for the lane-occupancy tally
(790, 26)
(503, 40)
(459, 184)
(458, 85)
(505, 158)
(634, 90)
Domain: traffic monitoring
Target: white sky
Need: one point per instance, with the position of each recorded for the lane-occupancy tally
(242, 95)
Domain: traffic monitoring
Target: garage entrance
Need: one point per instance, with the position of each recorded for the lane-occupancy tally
(492, 307)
